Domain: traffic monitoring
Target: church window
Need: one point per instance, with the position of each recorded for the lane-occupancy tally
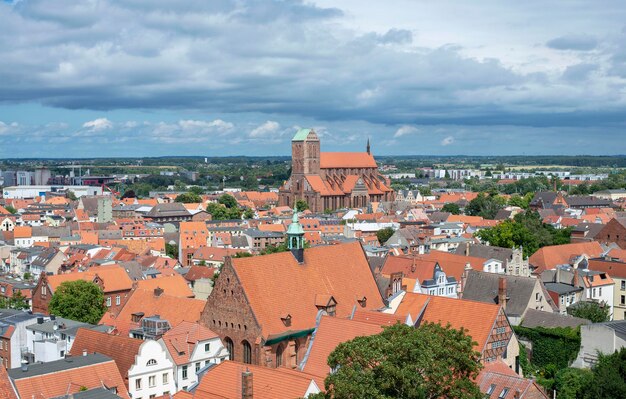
(230, 348)
(279, 355)
(247, 352)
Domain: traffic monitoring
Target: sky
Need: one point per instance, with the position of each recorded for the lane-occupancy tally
(137, 78)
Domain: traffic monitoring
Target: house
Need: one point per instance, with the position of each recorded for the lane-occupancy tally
(548, 200)
(265, 307)
(68, 376)
(259, 240)
(16, 286)
(174, 213)
(192, 347)
(51, 338)
(512, 260)
(537, 318)
(491, 332)
(112, 279)
(613, 232)
(413, 274)
(554, 255)
(193, 235)
(497, 381)
(155, 305)
(617, 271)
(232, 380)
(49, 261)
(599, 338)
(13, 335)
(516, 294)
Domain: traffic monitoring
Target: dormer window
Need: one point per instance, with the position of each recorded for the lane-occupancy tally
(326, 302)
(362, 302)
(136, 317)
(286, 319)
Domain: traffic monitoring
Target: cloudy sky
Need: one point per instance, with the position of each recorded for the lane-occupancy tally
(230, 77)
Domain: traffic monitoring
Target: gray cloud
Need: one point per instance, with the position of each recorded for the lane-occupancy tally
(573, 42)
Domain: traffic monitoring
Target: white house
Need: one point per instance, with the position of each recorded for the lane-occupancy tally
(598, 287)
(152, 374)
(192, 347)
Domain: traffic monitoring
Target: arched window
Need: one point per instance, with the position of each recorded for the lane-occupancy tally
(247, 352)
(151, 362)
(296, 349)
(230, 347)
(279, 355)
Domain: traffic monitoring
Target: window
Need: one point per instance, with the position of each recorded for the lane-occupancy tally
(207, 347)
(247, 352)
(151, 362)
(230, 347)
(138, 384)
(279, 355)
(623, 299)
(491, 388)
(500, 330)
(109, 301)
(503, 394)
(152, 381)
(166, 378)
(623, 287)
(197, 367)
(118, 300)
(44, 290)
(562, 300)
(600, 291)
(153, 396)
(62, 354)
(593, 292)
(184, 372)
(537, 296)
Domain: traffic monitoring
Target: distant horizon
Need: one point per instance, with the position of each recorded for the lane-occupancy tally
(147, 79)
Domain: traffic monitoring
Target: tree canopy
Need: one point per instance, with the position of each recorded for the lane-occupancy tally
(452, 208)
(485, 205)
(78, 300)
(399, 363)
(593, 311)
(384, 234)
(301, 205)
(526, 230)
(16, 301)
(188, 198)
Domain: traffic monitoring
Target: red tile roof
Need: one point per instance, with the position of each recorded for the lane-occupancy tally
(496, 376)
(295, 291)
(331, 332)
(224, 381)
(477, 317)
(121, 349)
(114, 278)
(6, 388)
(549, 257)
(347, 160)
(182, 340)
(173, 309)
(174, 285)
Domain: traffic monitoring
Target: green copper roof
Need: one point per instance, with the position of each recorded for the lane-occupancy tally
(295, 228)
(301, 135)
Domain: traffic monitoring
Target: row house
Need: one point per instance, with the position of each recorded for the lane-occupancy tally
(20, 259)
(413, 274)
(112, 280)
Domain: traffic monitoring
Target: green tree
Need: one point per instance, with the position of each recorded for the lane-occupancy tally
(10, 209)
(188, 198)
(399, 363)
(485, 205)
(171, 250)
(384, 234)
(521, 201)
(17, 301)
(129, 194)
(196, 190)
(78, 300)
(452, 208)
(221, 212)
(228, 201)
(571, 383)
(425, 191)
(70, 195)
(593, 311)
(609, 377)
(301, 205)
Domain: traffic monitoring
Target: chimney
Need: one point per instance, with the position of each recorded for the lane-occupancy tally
(53, 317)
(24, 365)
(502, 292)
(575, 282)
(413, 266)
(84, 352)
(39, 320)
(467, 252)
(246, 384)
(158, 291)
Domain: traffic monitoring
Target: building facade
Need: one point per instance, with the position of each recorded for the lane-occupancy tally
(332, 180)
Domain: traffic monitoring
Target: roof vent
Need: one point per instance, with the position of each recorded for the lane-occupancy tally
(158, 291)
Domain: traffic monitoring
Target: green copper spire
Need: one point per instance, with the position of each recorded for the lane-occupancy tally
(295, 232)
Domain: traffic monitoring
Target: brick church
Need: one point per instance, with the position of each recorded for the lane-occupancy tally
(332, 180)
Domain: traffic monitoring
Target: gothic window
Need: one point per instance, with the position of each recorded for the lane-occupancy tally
(279, 355)
(230, 348)
(247, 352)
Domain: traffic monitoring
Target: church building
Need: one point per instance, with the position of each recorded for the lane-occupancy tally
(332, 180)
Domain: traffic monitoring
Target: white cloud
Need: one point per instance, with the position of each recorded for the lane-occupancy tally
(97, 125)
(267, 129)
(405, 130)
(447, 141)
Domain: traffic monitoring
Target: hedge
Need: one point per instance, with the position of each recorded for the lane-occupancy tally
(557, 346)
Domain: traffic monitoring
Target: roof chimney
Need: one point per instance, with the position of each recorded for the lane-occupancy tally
(575, 282)
(467, 251)
(502, 292)
(84, 352)
(158, 291)
(413, 266)
(246, 384)
(24, 365)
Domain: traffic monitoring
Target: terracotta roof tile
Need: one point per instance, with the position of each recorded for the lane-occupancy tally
(295, 291)
(549, 257)
(347, 160)
(174, 285)
(114, 278)
(224, 381)
(22, 232)
(121, 349)
(182, 339)
(6, 388)
(173, 309)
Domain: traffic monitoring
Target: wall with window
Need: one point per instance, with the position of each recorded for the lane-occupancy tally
(204, 353)
(152, 373)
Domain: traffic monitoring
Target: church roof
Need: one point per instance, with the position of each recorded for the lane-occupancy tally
(301, 135)
(330, 160)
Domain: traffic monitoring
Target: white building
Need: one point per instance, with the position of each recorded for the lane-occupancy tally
(152, 374)
(31, 191)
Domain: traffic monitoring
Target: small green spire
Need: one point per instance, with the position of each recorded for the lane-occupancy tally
(295, 232)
